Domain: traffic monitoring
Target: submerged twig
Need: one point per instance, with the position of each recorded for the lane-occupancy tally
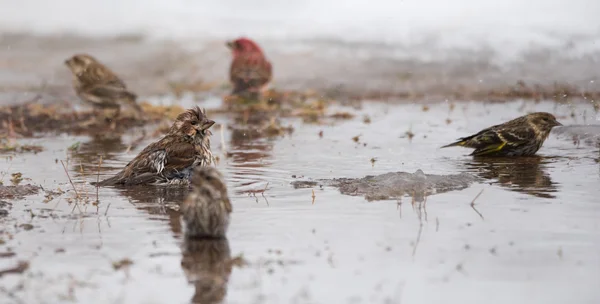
(418, 238)
(106, 212)
(263, 193)
(98, 180)
(473, 204)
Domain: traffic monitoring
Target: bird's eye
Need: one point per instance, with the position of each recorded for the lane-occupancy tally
(194, 122)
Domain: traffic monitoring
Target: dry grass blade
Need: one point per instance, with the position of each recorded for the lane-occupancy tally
(418, 239)
(70, 181)
(106, 212)
(473, 204)
(263, 193)
(313, 196)
(98, 179)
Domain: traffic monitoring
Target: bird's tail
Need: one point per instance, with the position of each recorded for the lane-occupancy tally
(132, 100)
(460, 142)
(108, 182)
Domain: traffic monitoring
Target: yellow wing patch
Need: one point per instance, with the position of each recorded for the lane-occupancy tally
(491, 149)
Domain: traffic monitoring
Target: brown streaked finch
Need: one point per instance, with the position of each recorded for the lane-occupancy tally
(98, 86)
(171, 160)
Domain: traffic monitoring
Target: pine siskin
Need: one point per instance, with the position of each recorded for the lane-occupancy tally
(522, 136)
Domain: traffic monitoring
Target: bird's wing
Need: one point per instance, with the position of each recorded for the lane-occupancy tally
(497, 138)
(227, 204)
(151, 161)
(516, 136)
(109, 91)
(180, 155)
(250, 71)
(116, 82)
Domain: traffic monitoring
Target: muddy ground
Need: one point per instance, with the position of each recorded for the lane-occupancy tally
(525, 231)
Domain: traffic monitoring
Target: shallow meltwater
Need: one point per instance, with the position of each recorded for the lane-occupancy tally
(525, 231)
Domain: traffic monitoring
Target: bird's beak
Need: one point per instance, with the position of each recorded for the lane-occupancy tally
(557, 124)
(68, 62)
(207, 124)
(230, 44)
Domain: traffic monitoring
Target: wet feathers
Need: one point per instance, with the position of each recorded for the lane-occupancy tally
(171, 159)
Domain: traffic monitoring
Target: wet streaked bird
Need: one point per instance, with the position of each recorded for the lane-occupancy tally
(206, 210)
(522, 136)
(98, 86)
(171, 160)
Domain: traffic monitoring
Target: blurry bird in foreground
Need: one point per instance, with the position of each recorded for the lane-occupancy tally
(206, 209)
(170, 160)
(98, 86)
(250, 70)
(522, 136)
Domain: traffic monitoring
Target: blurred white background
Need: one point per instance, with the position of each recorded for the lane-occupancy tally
(508, 25)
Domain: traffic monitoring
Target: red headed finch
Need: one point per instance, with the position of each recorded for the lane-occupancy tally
(250, 70)
(98, 86)
(171, 159)
(206, 209)
(521, 136)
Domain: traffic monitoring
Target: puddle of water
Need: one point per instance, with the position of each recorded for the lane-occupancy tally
(536, 240)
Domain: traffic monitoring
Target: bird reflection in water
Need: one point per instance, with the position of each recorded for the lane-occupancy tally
(207, 265)
(249, 151)
(521, 174)
(158, 201)
(87, 154)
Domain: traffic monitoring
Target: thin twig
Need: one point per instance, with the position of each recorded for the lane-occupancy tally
(418, 238)
(98, 179)
(473, 204)
(106, 212)
(425, 208)
(263, 193)
(70, 181)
